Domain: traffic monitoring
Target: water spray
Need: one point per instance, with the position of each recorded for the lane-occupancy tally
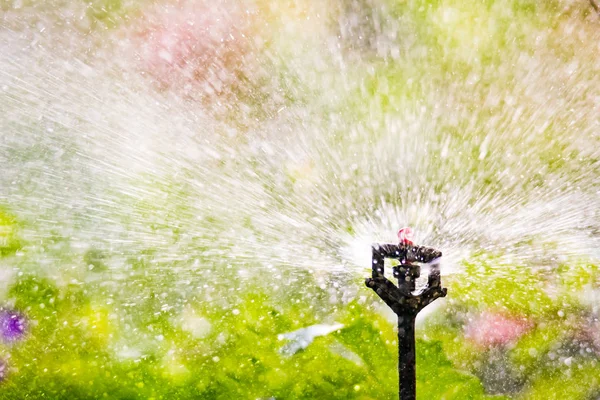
(403, 299)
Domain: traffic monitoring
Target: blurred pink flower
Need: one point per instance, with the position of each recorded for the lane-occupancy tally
(183, 43)
(496, 329)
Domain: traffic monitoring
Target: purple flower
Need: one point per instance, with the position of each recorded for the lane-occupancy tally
(12, 325)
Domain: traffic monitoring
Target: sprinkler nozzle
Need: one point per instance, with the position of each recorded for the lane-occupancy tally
(405, 235)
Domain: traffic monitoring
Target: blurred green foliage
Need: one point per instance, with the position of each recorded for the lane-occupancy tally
(69, 353)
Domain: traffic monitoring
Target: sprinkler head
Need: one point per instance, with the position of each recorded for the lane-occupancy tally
(402, 297)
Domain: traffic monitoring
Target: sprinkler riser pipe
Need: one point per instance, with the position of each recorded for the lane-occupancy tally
(407, 363)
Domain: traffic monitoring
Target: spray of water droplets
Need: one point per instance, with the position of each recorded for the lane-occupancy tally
(340, 130)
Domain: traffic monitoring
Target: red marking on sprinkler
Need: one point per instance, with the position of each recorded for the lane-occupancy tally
(405, 235)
